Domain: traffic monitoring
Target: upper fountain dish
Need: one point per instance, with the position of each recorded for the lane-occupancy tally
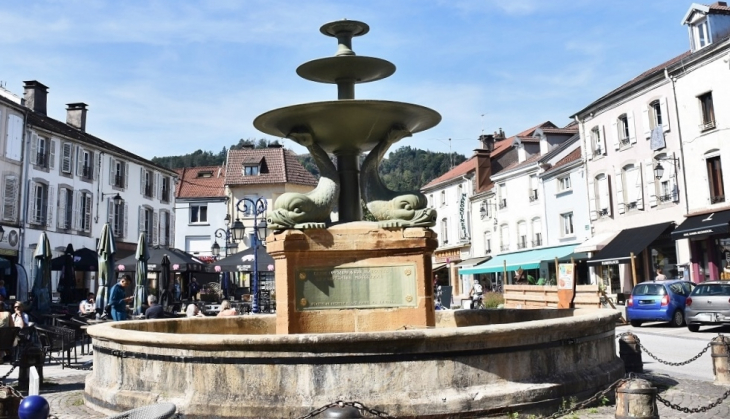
(345, 127)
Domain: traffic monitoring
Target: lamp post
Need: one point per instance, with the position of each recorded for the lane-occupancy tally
(116, 199)
(256, 208)
(227, 235)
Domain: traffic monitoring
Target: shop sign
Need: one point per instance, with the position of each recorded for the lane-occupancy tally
(9, 245)
(610, 262)
(462, 217)
(698, 232)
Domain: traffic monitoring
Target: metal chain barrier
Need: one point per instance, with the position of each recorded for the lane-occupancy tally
(340, 403)
(674, 364)
(9, 372)
(596, 398)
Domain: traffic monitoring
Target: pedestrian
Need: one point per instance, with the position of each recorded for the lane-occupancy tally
(194, 289)
(659, 275)
(476, 293)
(155, 310)
(177, 290)
(118, 300)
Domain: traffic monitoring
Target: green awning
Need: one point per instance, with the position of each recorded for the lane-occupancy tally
(530, 259)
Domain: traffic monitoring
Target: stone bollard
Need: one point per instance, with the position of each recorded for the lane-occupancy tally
(345, 412)
(636, 399)
(32, 356)
(630, 352)
(720, 365)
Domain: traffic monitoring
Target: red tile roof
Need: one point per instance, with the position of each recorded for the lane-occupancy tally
(720, 8)
(460, 170)
(278, 165)
(571, 157)
(193, 185)
(530, 160)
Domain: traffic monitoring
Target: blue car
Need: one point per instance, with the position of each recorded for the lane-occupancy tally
(658, 301)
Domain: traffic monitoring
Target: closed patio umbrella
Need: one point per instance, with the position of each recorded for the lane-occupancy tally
(67, 283)
(164, 283)
(42, 276)
(106, 252)
(85, 260)
(142, 255)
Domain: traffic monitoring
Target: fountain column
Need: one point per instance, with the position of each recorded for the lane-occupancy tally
(348, 165)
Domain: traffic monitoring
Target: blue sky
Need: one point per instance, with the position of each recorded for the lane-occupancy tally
(170, 76)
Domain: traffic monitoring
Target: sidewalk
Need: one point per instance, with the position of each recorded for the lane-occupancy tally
(64, 389)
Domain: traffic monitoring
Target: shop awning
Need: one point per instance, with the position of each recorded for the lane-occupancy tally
(631, 240)
(526, 260)
(473, 262)
(437, 266)
(575, 256)
(595, 243)
(703, 225)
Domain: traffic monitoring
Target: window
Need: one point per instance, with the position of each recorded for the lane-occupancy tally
(487, 243)
(502, 196)
(655, 110)
(148, 224)
(663, 189)
(536, 232)
(165, 189)
(521, 235)
(708, 111)
(117, 217)
(629, 189)
(564, 183)
(198, 214)
(84, 164)
(597, 143)
(714, 178)
(165, 228)
(444, 230)
(118, 173)
(67, 158)
(42, 152)
(623, 130)
(599, 197)
(147, 182)
(700, 35)
(504, 237)
(443, 198)
(250, 170)
(431, 202)
(533, 188)
(10, 198)
(566, 224)
(65, 208)
(84, 205)
(39, 211)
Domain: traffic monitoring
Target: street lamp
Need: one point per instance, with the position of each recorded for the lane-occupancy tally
(256, 208)
(225, 233)
(117, 200)
(658, 171)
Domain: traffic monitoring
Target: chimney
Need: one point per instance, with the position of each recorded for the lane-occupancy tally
(35, 96)
(487, 142)
(76, 115)
(499, 135)
(484, 163)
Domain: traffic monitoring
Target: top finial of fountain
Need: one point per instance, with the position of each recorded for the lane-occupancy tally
(344, 30)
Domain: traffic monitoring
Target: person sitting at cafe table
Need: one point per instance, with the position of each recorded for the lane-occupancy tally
(226, 309)
(155, 310)
(118, 299)
(19, 317)
(87, 306)
(193, 311)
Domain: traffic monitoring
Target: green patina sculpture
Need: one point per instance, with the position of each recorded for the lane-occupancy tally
(312, 209)
(347, 128)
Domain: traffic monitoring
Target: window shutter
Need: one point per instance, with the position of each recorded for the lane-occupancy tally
(650, 185)
(646, 121)
(163, 224)
(140, 223)
(126, 175)
(603, 139)
(172, 229)
(79, 161)
(10, 197)
(614, 134)
(158, 185)
(110, 212)
(87, 214)
(155, 225)
(620, 192)
(639, 190)
(673, 184)
(52, 155)
(66, 150)
(112, 172)
(592, 200)
(92, 171)
(77, 210)
(632, 127)
(124, 228)
(61, 217)
(31, 204)
(589, 146)
(665, 113)
(51, 205)
(141, 181)
(34, 149)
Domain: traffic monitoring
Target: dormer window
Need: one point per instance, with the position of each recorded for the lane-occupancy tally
(205, 174)
(250, 170)
(700, 34)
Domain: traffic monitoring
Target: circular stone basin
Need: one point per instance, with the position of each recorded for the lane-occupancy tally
(347, 126)
(475, 362)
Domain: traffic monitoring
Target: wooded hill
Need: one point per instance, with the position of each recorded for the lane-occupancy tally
(405, 169)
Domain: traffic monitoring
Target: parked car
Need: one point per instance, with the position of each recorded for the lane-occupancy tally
(658, 301)
(709, 304)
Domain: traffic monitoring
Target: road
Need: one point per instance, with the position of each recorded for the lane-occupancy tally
(676, 345)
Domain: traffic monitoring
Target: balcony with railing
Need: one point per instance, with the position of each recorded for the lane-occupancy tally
(522, 243)
(630, 206)
(40, 159)
(86, 172)
(504, 247)
(119, 181)
(707, 125)
(624, 141)
(537, 241)
(165, 195)
(148, 191)
(533, 195)
(503, 203)
(665, 198)
(603, 212)
(714, 199)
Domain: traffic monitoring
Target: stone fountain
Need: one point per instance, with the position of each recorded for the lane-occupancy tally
(355, 312)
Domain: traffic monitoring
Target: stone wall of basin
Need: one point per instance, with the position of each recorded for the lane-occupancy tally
(473, 362)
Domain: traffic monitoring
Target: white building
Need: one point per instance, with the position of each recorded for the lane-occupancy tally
(701, 83)
(70, 178)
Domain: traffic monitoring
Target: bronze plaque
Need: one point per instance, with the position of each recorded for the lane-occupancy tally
(356, 287)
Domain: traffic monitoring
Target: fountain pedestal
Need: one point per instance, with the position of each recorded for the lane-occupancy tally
(353, 277)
